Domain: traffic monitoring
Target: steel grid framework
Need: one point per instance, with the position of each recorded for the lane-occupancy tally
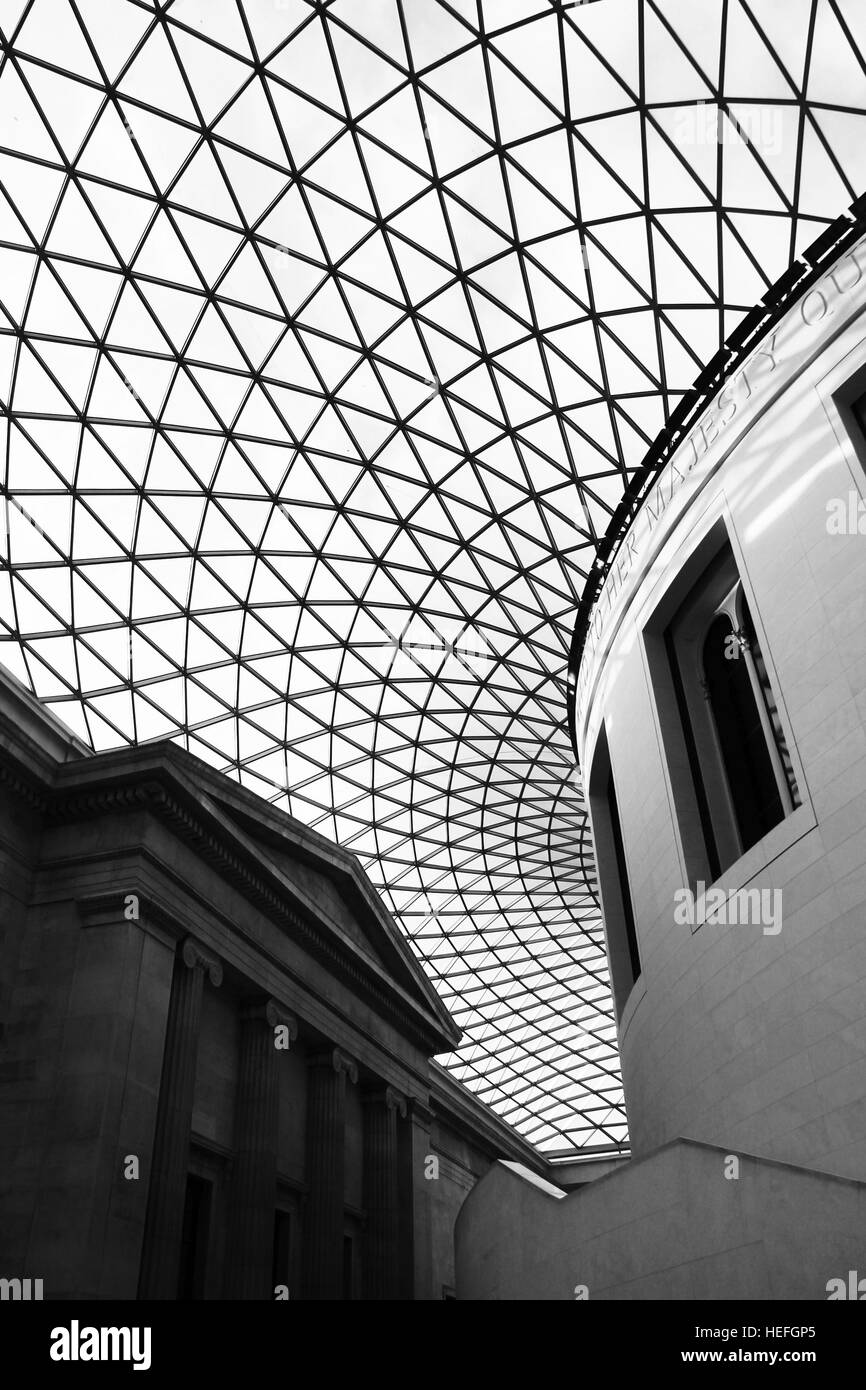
(330, 337)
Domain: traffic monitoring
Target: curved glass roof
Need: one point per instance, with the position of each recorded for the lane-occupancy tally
(330, 335)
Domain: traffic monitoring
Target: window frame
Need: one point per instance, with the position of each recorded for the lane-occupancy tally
(613, 876)
(708, 539)
(718, 595)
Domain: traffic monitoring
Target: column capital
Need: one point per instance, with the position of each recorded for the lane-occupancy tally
(342, 1062)
(194, 955)
(387, 1096)
(261, 1008)
(332, 1057)
(276, 1016)
(420, 1112)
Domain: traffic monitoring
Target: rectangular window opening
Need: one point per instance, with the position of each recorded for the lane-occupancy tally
(613, 879)
(731, 770)
(195, 1234)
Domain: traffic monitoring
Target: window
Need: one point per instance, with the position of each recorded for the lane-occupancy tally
(612, 869)
(742, 776)
(194, 1238)
(850, 401)
(858, 408)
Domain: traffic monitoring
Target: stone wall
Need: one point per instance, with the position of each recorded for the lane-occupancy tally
(114, 868)
(670, 1226)
(731, 1035)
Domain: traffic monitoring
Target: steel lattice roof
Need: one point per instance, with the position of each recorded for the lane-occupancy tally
(331, 334)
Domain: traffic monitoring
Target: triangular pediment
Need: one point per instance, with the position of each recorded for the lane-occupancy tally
(326, 884)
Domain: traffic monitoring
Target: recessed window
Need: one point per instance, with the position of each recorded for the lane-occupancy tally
(613, 878)
(858, 408)
(850, 400)
(194, 1238)
(742, 777)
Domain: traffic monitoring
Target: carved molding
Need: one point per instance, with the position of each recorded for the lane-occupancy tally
(420, 1113)
(236, 869)
(278, 1016)
(21, 786)
(342, 1062)
(387, 1096)
(194, 955)
(270, 1012)
(109, 909)
(334, 1057)
(395, 1101)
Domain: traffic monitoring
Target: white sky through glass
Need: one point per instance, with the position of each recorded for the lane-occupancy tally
(329, 336)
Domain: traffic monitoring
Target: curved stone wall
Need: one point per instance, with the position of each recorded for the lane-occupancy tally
(753, 1035)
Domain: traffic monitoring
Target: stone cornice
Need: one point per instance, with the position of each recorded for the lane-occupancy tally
(229, 827)
(272, 1013)
(195, 957)
(419, 1113)
(388, 1096)
(274, 829)
(155, 788)
(263, 827)
(107, 909)
(333, 1058)
(20, 783)
(455, 1106)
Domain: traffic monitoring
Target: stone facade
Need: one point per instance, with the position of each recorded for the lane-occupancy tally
(216, 1046)
(743, 1042)
(733, 1035)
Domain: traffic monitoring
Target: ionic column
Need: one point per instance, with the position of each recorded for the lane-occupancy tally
(326, 1136)
(254, 1173)
(381, 1263)
(164, 1222)
(417, 1186)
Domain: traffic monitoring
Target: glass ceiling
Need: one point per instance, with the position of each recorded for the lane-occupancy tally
(330, 334)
